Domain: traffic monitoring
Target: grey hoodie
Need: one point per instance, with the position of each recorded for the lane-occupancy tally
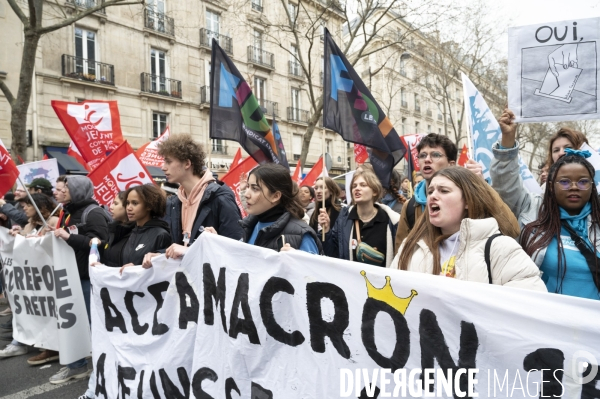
(80, 188)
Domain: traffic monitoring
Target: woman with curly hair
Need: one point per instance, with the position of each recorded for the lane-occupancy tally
(564, 239)
(464, 216)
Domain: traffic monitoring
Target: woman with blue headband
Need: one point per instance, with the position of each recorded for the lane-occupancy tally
(561, 229)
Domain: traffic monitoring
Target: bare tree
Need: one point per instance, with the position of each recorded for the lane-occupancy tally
(31, 13)
(534, 138)
(368, 23)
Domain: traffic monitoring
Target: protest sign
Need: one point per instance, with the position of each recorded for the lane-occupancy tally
(43, 287)
(553, 71)
(485, 132)
(47, 169)
(235, 320)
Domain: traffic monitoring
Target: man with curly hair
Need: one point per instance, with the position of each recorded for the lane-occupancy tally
(201, 201)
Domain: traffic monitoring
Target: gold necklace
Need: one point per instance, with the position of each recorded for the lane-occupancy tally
(370, 218)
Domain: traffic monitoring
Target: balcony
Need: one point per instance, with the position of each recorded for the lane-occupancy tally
(403, 104)
(219, 147)
(87, 4)
(87, 70)
(158, 22)
(295, 69)
(260, 57)
(160, 85)
(206, 37)
(268, 107)
(205, 95)
(297, 115)
(257, 5)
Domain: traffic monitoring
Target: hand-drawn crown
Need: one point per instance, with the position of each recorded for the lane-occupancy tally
(386, 294)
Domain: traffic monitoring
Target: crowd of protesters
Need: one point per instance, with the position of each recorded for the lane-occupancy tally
(446, 220)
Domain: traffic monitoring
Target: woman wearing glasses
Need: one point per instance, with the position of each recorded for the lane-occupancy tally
(561, 229)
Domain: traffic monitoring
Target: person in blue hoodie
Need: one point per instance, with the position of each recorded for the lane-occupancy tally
(564, 239)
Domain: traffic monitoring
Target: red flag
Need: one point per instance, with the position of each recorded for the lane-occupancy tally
(360, 154)
(45, 157)
(312, 176)
(148, 153)
(94, 126)
(297, 173)
(8, 170)
(237, 158)
(232, 179)
(464, 156)
(118, 172)
(411, 141)
(74, 152)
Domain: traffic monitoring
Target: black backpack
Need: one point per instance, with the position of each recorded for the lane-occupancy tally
(90, 208)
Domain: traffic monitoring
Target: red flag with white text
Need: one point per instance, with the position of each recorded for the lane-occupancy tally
(237, 158)
(148, 153)
(94, 127)
(118, 172)
(360, 154)
(74, 152)
(232, 179)
(8, 170)
(316, 172)
(297, 177)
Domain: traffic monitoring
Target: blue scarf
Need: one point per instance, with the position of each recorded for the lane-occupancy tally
(421, 194)
(578, 222)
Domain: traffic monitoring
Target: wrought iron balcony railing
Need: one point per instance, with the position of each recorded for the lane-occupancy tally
(206, 37)
(297, 115)
(159, 22)
(268, 107)
(160, 85)
(87, 70)
(258, 56)
(88, 4)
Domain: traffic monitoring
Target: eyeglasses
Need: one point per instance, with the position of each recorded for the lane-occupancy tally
(566, 184)
(435, 156)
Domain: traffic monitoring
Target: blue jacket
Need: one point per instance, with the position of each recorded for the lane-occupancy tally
(337, 240)
(217, 209)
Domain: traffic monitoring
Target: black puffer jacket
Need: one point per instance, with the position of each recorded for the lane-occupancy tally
(217, 209)
(81, 190)
(151, 237)
(111, 251)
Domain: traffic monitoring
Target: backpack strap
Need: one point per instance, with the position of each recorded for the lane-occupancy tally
(410, 212)
(488, 262)
(90, 208)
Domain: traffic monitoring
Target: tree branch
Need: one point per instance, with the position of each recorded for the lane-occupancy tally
(15, 7)
(85, 13)
(7, 93)
(32, 14)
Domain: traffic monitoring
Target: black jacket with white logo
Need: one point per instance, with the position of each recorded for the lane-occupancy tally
(151, 237)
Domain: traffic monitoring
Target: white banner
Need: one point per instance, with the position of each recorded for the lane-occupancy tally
(553, 71)
(485, 131)
(47, 169)
(43, 286)
(238, 321)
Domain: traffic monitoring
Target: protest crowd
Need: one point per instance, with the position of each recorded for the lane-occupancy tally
(451, 222)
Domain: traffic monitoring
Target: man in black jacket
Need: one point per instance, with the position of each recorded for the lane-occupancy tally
(86, 220)
(201, 201)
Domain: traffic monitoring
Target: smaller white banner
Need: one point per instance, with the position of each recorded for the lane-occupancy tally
(47, 169)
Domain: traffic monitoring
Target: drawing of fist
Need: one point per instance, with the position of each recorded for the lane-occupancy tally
(565, 55)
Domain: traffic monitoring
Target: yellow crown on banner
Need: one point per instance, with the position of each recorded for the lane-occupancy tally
(386, 294)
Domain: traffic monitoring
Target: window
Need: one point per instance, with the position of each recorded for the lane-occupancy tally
(293, 10)
(159, 123)
(213, 24)
(218, 146)
(428, 129)
(85, 51)
(403, 102)
(322, 27)
(403, 126)
(295, 98)
(418, 127)
(296, 146)
(439, 130)
(328, 147)
(156, 15)
(440, 116)
(158, 6)
(402, 67)
(294, 64)
(257, 5)
(158, 70)
(258, 39)
(457, 93)
(259, 88)
(417, 103)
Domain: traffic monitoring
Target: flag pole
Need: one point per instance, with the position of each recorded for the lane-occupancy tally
(33, 202)
(323, 178)
(467, 113)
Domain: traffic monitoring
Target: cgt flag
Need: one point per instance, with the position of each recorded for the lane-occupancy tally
(316, 171)
(350, 109)
(235, 113)
(94, 127)
(233, 177)
(148, 153)
(118, 172)
(8, 170)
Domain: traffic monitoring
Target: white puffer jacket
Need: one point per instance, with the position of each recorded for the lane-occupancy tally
(509, 263)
